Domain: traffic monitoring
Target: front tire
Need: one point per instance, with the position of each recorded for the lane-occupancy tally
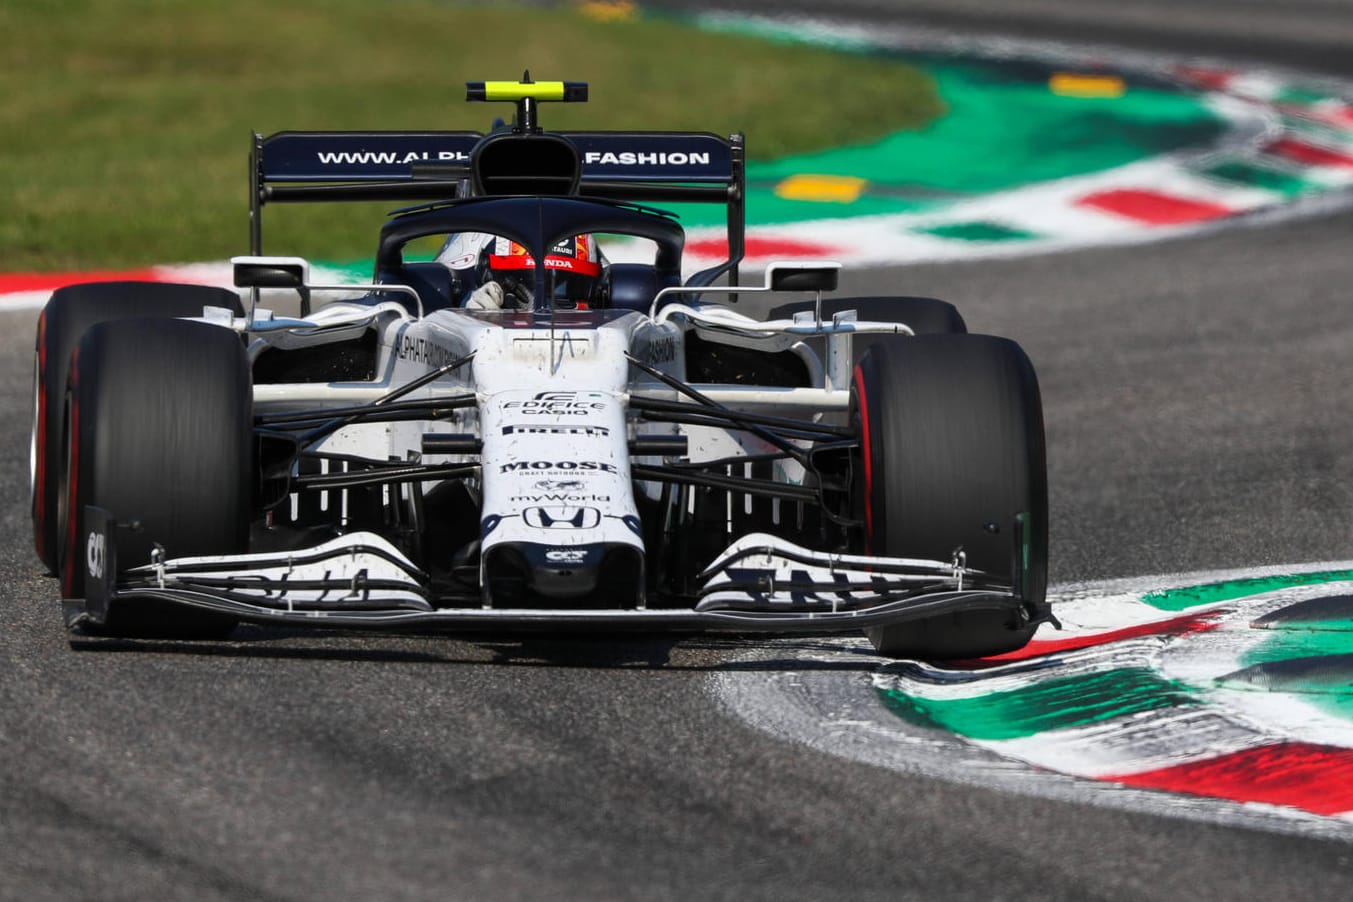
(159, 426)
(64, 320)
(952, 456)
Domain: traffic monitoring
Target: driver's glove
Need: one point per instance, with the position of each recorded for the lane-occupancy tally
(488, 296)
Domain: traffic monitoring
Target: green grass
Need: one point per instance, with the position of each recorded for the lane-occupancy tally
(124, 124)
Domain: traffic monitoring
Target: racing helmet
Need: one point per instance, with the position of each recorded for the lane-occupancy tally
(573, 271)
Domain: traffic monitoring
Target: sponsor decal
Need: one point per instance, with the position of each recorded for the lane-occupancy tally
(568, 403)
(561, 498)
(96, 554)
(659, 158)
(566, 555)
(660, 350)
(389, 157)
(562, 429)
(546, 466)
(421, 350)
(565, 395)
(560, 485)
(562, 517)
(531, 409)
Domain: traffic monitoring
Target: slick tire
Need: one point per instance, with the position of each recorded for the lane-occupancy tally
(63, 321)
(159, 427)
(951, 455)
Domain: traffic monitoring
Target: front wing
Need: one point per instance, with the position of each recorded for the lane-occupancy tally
(360, 580)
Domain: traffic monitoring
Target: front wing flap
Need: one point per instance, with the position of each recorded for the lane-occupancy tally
(360, 580)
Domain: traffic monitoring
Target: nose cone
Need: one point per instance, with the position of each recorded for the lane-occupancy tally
(533, 574)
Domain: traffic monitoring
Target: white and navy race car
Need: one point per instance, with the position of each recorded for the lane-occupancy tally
(628, 450)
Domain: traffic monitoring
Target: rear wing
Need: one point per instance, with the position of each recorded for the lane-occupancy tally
(404, 166)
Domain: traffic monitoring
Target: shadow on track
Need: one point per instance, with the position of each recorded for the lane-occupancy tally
(595, 651)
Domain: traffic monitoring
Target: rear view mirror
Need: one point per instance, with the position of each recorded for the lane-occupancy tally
(803, 276)
(271, 272)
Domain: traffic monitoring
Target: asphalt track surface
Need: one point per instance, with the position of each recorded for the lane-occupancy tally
(1198, 415)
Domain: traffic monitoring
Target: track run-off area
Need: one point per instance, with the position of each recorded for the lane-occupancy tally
(1226, 695)
(1221, 697)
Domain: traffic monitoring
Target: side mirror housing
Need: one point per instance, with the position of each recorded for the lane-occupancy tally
(807, 275)
(271, 272)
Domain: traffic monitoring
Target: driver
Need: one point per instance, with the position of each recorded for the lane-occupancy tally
(505, 274)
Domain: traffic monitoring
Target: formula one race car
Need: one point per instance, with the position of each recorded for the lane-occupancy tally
(597, 442)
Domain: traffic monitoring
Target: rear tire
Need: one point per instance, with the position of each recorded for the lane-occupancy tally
(69, 313)
(159, 427)
(952, 453)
